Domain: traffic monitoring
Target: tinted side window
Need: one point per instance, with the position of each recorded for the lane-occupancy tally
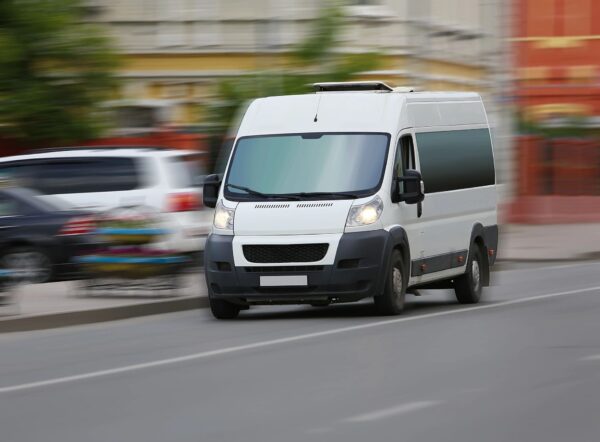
(11, 206)
(76, 175)
(453, 160)
(405, 156)
(8, 206)
(408, 154)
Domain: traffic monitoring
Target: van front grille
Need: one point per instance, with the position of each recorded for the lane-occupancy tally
(276, 253)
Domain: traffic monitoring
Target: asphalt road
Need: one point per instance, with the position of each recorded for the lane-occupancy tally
(524, 365)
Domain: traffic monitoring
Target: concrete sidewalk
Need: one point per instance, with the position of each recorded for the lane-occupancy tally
(61, 304)
(559, 242)
(58, 304)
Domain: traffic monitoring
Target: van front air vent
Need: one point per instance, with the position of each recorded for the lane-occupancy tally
(276, 253)
(272, 206)
(309, 205)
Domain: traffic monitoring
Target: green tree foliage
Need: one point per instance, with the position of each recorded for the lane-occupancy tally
(313, 60)
(55, 71)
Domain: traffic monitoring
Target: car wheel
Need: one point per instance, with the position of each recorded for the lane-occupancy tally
(391, 301)
(468, 287)
(223, 310)
(30, 264)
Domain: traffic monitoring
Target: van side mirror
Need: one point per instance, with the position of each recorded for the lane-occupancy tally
(414, 189)
(212, 184)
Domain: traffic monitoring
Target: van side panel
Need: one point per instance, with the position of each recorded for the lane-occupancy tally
(456, 161)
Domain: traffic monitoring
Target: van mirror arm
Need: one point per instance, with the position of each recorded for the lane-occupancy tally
(414, 189)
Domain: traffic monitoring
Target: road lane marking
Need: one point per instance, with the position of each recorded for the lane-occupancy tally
(273, 342)
(591, 358)
(392, 411)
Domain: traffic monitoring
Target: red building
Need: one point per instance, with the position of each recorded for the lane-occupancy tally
(556, 47)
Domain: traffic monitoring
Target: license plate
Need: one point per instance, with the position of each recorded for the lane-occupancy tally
(283, 281)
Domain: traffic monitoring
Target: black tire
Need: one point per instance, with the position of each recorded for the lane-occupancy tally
(391, 301)
(468, 286)
(320, 304)
(223, 310)
(33, 262)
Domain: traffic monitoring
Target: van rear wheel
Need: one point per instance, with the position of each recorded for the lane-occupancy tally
(391, 301)
(468, 287)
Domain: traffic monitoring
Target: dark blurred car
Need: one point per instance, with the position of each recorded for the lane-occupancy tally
(39, 237)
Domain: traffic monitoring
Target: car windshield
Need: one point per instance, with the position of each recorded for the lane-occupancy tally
(325, 165)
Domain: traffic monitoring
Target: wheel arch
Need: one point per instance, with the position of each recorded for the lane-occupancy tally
(478, 239)
(399, 241)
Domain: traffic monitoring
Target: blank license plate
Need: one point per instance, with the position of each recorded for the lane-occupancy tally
(282, 281)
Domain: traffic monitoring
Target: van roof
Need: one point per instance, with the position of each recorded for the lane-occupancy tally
(345, 111)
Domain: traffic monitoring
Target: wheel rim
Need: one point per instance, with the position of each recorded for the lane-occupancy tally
(28, 265)
(397, 283)
(476, 275)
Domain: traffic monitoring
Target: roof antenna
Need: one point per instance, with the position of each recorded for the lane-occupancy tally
(317, 113)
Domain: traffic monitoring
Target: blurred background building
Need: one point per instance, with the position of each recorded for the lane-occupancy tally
(185, 66)
(557, 91)
(177, 49)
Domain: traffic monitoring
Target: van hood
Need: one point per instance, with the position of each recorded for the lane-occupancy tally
(291, 217)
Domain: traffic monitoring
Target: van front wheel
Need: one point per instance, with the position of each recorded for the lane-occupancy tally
(468, 286)
(391, 301)
(223, 310)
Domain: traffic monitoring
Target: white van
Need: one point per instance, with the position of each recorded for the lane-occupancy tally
(359, 190)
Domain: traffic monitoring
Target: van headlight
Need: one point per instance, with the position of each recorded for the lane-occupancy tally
(365, 214)
(223, 217)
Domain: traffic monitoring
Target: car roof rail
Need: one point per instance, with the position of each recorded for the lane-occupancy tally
(108, 147)
(376, 86)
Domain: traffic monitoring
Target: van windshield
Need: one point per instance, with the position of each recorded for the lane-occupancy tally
(304, 166)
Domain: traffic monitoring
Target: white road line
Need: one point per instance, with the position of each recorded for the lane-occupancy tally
(591, 358)
(287, 340)
(392, 411)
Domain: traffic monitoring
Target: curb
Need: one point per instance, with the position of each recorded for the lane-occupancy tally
(81, 317)
(591, 256)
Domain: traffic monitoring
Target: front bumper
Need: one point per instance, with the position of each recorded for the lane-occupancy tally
(358, 272)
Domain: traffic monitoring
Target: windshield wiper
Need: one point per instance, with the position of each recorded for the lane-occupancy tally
(295, 195)
(260, 194)
(325, 194)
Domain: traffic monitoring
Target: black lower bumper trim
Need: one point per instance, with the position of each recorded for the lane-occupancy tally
(332, 283)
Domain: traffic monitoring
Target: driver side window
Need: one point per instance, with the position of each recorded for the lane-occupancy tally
(405, 157)
(8, 207)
